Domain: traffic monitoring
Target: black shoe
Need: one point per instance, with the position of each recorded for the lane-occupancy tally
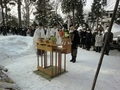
(74, 61)
(71, 60)
(94, 49)
(106, 53)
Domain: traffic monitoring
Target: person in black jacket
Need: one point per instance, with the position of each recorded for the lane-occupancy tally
(4, 30)
(75, 39)
(88, 39)
(83, 38)
(110, 40)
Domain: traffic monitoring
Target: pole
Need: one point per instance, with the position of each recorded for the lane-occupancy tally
(104, 47)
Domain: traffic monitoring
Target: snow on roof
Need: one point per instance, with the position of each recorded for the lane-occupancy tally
(115, 30)
(109, 7)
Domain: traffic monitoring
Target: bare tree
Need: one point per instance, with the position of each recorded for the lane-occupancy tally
(27, 11)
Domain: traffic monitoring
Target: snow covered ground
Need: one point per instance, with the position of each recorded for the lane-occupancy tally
(17, 54)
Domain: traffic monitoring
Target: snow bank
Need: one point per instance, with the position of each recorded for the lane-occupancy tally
(15, 46)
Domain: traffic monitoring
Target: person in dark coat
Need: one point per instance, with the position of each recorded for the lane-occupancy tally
(13, 30)
(75, 39)
(93, 39)
(110, 40)
(24, 31)
(88, 39)
(83, 38)
(4, 29)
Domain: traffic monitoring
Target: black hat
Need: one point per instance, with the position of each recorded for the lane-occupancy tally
(71, 25)
(88, 29)
(40, 24)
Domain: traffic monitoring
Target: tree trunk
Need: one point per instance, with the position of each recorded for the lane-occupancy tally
(27, 9)
(19, 13)
(73, 14)
(6, 14)
(97, 22)
(28, 16)
(3, 18)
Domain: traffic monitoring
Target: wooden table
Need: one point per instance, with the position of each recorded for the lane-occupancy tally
(55, 64)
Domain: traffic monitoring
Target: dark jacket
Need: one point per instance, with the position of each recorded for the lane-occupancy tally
(75, 39)
(88, 38)
(83, 37)
(110, 38)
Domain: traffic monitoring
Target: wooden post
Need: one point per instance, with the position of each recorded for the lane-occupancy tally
(37, 60)
(56, 62)
(104, 47)
(64, 61)
(45, 59)
(41, 59)
(52, 61)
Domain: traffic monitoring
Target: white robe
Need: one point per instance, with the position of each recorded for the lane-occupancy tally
(39, 33)
(54, 32)
(48, 33)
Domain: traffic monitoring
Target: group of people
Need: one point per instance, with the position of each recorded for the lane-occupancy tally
(89, 38)
(23, 31)
(95, 38)
(47, 33)
(80, 36)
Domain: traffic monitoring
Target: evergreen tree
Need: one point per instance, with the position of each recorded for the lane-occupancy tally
(42, 9)
(96, 10)
(27, 10)
(73, 6)
(79, 14)
(55, 18)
